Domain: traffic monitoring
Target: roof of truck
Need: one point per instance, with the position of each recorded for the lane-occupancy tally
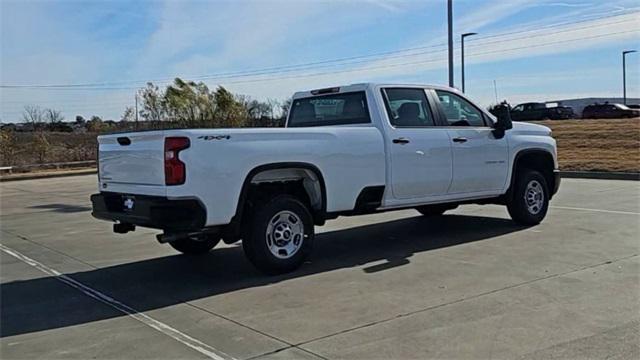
(364, 86)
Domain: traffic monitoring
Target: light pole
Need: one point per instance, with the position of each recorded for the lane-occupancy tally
(624, 74)
(450, 33)
(462, 54)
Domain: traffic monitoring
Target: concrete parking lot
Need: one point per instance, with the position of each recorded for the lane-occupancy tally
(394, 285)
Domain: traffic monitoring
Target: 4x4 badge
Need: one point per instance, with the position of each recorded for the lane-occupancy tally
(214, 137)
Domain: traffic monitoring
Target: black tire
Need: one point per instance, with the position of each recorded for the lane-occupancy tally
(291, 214)
(193, 246)
(434, 210)
(532, 211)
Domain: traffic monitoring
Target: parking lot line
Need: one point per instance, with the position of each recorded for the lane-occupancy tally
(595, 210)
(183, 338)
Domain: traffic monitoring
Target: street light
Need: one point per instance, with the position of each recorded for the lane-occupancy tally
(462, 54)
(450, 38)
(624, 74)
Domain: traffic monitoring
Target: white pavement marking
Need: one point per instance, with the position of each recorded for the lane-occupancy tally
(596, 210)
(183, 338)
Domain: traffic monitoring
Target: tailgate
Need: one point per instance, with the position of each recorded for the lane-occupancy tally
(132, 158)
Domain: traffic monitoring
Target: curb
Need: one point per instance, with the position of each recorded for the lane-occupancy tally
(45, 175)
(600, 175)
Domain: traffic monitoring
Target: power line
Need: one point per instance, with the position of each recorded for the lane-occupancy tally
(78, 109)
(425, 61)
(327, 63)
(428, 61)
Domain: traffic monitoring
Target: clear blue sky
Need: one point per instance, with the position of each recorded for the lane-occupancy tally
(536, 50)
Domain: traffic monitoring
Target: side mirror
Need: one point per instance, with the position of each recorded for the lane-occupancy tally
(503, 114)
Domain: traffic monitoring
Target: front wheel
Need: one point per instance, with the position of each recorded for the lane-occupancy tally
(195, 246)
(530, 198)
(280, 235)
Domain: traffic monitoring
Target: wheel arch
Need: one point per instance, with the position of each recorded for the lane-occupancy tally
(541, 160)
(283, 172)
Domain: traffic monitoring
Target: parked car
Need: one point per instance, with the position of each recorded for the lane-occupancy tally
(345, 151)
(540, 111)
(609, 111)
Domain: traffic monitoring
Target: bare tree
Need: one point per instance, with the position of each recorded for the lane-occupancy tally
(32, 114)
(53, 116)
(128, 115)
(41, 146)
(285, 107)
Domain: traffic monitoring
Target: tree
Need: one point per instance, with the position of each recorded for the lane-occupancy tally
(284, 108)
(128, 115)
(153, 104)
(257, 110)
(41, 145)
(53, 116)
(80, 120)
(32, 114)
(95, 124)
(8, 147)
(190, 103)
(229, 110)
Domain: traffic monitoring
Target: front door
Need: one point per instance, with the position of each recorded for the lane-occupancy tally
(421, 160)
(480, 160)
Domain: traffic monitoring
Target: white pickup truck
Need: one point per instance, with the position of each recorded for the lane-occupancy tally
(346, 150)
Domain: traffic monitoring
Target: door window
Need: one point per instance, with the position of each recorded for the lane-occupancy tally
(408, 107)
(459, 112)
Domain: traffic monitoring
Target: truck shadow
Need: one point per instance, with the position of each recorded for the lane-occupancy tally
(45, 303)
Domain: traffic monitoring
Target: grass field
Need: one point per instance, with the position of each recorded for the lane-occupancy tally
(590, 145)
(597, 145)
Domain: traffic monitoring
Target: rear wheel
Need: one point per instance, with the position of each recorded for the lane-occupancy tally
(280, 235)
(195, 245)
(530, 198)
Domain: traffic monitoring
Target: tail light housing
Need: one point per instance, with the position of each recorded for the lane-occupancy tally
(175, 171)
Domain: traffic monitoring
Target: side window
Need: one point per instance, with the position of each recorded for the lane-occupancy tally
(518, 108)
(408, 107)
(327, 110)
(459, 111)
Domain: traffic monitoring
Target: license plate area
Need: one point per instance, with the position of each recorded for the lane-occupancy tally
(128, 203)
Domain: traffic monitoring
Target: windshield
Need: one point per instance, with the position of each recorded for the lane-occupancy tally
(623, 107)
(335, 109)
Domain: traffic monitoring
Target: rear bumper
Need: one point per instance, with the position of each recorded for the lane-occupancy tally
(149, 211)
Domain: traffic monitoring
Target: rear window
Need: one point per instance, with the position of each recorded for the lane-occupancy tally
(335, 109)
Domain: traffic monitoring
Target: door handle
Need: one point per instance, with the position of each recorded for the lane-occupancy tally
(401, 141)
(460, 139)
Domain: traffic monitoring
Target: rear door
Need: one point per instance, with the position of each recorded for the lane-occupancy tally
(480, 160)
(421, 162)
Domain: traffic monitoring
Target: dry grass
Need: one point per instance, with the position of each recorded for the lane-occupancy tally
(597, 145)
(62, 147)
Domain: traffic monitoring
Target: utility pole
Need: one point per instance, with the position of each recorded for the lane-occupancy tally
(495, 90)
(624, 74)
(136, 110)
(450, 16)
(462, 54)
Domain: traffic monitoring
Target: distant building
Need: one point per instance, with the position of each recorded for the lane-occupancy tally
(579, 104)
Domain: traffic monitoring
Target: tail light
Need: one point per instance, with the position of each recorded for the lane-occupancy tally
(174, 169)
